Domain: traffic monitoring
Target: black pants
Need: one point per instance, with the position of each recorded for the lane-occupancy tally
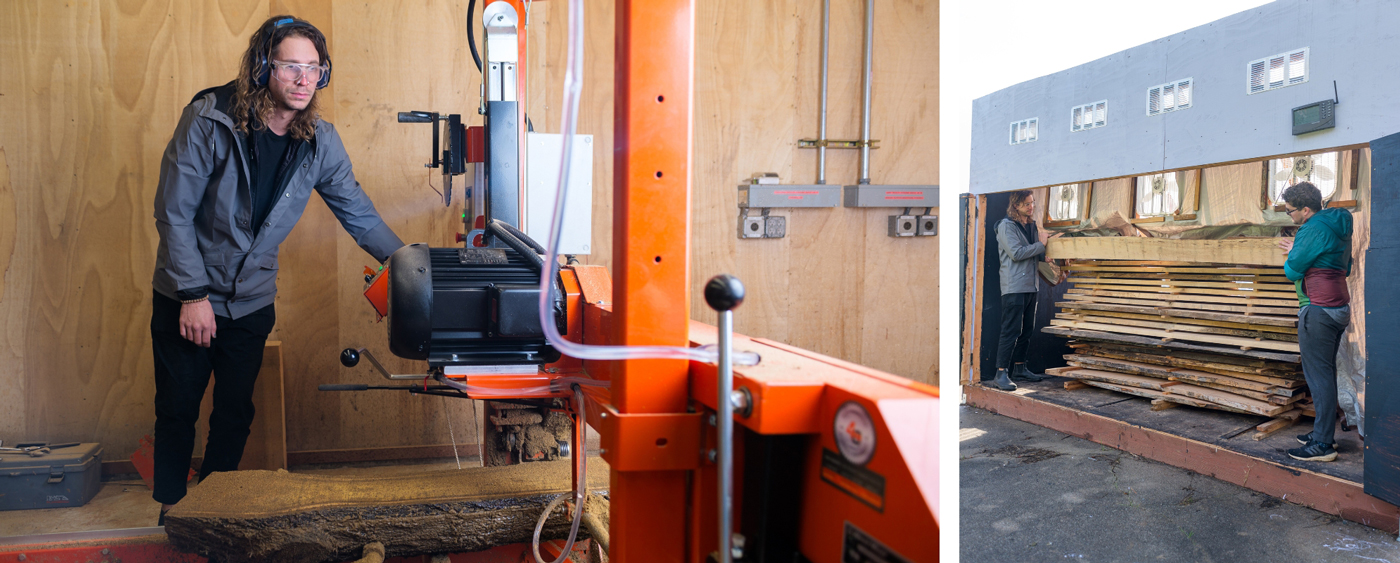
(1319, 335)
(1017, 322)
(182, 374)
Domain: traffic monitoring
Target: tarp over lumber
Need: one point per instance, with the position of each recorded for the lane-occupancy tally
(247, 516)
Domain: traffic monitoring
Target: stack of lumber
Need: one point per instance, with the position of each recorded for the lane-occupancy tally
(1201, 334)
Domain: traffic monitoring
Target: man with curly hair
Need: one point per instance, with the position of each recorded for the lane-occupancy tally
(234, 180)
(1319, 261)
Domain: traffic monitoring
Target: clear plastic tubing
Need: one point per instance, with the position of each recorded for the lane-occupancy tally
(573, 85)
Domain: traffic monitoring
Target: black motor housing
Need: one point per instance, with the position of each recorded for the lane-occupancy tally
(468, 306)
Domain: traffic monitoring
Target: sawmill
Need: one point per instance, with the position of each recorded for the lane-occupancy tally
(627, 289)
(1167, 320)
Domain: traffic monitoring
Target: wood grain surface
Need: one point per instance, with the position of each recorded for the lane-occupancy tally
(91, 92)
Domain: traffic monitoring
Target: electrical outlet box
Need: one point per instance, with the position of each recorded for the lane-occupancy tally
(928, 225)
(903, 225)
(753, 227)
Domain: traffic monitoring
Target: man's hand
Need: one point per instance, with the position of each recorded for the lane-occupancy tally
(1286, 245)
(1042, 235)
(197, 322)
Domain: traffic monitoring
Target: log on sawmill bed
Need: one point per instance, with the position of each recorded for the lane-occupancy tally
(279, 516)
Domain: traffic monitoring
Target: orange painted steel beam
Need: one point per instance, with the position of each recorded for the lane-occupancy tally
(654, 51)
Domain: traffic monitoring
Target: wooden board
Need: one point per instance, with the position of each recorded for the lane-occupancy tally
(1099, 335)
(1253, 251)
(1169, 324)
(1138, 381)
(1170, 296)
(1152, 370)
(1174, 302)
(1198, 360)
(1227, 399)
(1255, 321)
(1245, 344)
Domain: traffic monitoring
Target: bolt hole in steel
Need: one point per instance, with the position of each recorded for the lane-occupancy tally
(658, 259)
(908, 226)
(661, 442)
(753, 227)
(660, 99)
(928, 225)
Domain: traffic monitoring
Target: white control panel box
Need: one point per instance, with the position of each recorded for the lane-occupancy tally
(542, 177)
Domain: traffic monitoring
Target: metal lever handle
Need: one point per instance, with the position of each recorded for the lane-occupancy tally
(723, 293)
(415, 117)
(350, 357)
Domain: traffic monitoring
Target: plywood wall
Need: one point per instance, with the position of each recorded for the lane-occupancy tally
(90, 91)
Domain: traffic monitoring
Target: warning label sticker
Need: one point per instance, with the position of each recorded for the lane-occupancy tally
(866, 485)
(859, 547)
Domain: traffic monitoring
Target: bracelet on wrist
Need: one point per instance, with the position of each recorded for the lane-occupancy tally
(188, 301)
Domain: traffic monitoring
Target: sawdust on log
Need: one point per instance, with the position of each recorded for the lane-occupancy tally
(247, 516)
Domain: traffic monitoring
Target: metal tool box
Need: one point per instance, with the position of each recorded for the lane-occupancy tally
(67, 476)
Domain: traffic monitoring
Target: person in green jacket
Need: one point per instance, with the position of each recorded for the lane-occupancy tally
(1319, 261)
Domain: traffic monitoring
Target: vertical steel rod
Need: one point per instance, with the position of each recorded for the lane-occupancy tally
(725, 425)
(821, 132)
(868, 75)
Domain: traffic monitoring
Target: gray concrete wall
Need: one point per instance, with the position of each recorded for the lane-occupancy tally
(1354, 42)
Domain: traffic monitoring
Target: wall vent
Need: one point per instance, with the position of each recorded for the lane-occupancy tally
(1025, 131)
(1278, 71)
(1088, 116)
(1171, 96)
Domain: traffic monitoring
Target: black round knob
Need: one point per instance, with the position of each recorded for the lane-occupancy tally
(369, 278)
(724, 292)
(349, 357)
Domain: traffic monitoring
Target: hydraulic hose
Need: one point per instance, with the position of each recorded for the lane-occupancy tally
(573, 82)
(580, 490)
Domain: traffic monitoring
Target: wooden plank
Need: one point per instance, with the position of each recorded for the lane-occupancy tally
(1282, 386)
(1248, 320)
(1171, 325)
(1159, 316)
(1226, 399)
(1175, 303)
(1271, 298)
(1245, 344)
(1279, 423)
(1252, 251)
(1161, 405)
(1134, 293)
(1139, 381)
(1076, 384)
(1194, 268)
(1149, 341)
(1192, 402)
(1168, 372)
(1204, 361)
(1126, 389)
(1252, 394)
(1242, 285)
(1237, 278)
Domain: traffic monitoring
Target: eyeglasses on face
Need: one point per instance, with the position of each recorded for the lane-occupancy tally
(293, 72)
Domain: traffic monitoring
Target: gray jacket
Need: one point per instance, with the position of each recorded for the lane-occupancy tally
(1019, 258)
(203, 209)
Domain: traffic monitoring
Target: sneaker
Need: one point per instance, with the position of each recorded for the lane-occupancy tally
(1314, 451)
(1304, 438)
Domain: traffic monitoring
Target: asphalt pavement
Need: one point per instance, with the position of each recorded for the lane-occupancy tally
(1032, 494)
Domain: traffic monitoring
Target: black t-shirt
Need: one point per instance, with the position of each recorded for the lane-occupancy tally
(270, 156)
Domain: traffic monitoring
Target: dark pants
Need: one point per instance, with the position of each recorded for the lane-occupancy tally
(182, 374)
(1017, 322)
(1319, 334)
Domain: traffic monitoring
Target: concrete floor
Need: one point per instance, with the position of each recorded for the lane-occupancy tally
(1031, 494)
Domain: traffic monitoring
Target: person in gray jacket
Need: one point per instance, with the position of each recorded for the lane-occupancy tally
(1020, 246)
(234, 180)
